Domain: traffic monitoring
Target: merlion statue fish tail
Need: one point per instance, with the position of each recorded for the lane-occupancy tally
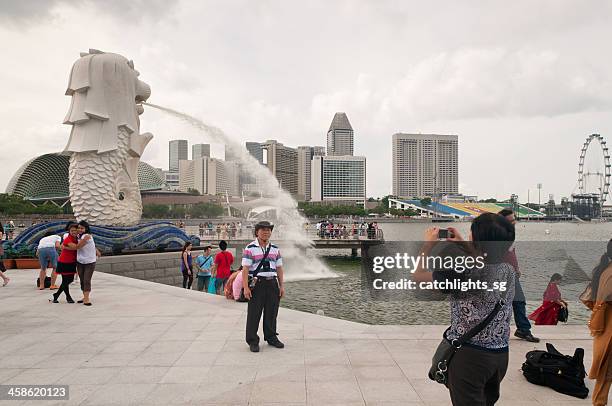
(105, 142)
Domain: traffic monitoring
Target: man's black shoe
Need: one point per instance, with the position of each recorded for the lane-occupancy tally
(254, 347)
(276, 343)
(526, 336)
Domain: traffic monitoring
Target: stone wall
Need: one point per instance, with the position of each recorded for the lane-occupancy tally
(159, 267)
(162, 267)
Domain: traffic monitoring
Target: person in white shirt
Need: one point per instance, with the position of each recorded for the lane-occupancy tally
(87, 255)
(5, 279)
(47, 256)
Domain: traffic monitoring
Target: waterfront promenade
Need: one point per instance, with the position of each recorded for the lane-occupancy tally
(143, 343)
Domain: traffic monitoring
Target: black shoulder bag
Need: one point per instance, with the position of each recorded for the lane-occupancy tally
(243, 298)
(256, 271)
(447, 349)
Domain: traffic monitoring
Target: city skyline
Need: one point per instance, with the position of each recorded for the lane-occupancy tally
(522, 100)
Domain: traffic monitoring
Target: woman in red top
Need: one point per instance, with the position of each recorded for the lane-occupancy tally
(66, 263)
(548, 313)
(222, 267)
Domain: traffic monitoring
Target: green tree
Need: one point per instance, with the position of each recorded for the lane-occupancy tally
(403, 213)
(194, 192)
(12, 204)
(426, 201)
(155, 211)
(205, 210)
(310, 210)
(385, 201)
(177, 211)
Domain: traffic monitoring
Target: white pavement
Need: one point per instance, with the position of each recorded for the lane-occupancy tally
(143, 343)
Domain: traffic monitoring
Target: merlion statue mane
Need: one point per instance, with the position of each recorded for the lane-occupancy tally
(105, 142)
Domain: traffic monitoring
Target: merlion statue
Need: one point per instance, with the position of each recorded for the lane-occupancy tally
(105, 142)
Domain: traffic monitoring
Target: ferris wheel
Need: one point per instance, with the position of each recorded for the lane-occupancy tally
(595, 181)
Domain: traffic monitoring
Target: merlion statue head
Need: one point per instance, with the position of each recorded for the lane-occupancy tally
(106, 94)
(105, 141)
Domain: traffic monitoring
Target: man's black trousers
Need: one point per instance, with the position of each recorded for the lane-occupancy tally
(265, 298)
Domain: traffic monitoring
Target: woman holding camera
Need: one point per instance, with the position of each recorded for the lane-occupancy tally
(478, 366)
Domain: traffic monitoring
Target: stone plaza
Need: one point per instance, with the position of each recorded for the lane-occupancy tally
(144, 343)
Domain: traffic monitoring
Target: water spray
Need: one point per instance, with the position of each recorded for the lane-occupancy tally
(296, 245)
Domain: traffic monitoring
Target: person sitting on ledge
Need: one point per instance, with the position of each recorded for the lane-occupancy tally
(548, 313)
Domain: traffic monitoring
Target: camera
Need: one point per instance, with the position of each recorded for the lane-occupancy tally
(443, 233)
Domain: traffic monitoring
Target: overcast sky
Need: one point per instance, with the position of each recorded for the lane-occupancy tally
(522, 83)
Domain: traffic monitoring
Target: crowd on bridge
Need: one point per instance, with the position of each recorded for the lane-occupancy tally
(220, 231)
(326, 229)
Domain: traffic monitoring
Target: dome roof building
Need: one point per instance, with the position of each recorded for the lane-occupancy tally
(45, 178)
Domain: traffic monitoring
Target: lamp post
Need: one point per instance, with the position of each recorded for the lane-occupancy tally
(514, 202)
(528, 207)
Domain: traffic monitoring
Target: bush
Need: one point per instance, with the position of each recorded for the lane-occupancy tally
(18, 251)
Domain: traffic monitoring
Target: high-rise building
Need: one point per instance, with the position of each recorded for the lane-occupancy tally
(304, 156)
(200, 151)
(340, 136)
(246, 181)
(425, 165)
(187, 178)
(282, 161)
(178, 150)
(209, 176)
(232, 175)
(256, 150)
(229, 154)
(172, 180)
(217, 177)
(338, 179)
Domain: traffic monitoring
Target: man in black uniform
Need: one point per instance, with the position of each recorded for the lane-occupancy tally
(262, 276)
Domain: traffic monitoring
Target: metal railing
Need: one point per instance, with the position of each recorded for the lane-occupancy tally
(244, 233)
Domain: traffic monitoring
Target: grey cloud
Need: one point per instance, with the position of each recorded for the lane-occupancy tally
(481, 83)
(24, 12)
(525, 71)
(135, 9)
(19, 11)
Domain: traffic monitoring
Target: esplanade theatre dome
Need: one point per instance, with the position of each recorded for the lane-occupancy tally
(46, 178)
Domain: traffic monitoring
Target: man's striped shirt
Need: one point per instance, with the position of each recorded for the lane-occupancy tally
(253, 254)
